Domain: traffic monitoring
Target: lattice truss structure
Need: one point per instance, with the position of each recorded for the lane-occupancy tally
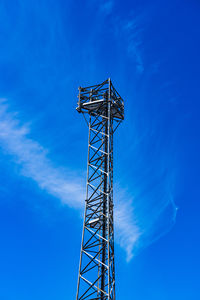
(103, 109)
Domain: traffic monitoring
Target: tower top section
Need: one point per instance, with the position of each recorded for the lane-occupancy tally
(93, 99)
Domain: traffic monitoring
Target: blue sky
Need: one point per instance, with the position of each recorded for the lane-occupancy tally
(151, 52)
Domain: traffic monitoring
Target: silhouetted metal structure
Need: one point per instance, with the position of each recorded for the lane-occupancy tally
(105, 110)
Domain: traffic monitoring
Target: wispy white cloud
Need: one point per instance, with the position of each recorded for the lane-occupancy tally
(34, 162)
(127, 230)
(133, 30)
(107, 6)
(139, 220)
(63, 184)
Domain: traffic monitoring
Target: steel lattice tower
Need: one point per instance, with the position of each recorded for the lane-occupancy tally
(105, 111)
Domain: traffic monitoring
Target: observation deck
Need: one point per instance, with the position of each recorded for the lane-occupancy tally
(94, 98)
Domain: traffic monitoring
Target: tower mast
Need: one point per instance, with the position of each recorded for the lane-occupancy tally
(104, 109)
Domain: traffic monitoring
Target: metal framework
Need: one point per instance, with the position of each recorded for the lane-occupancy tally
(104, 108)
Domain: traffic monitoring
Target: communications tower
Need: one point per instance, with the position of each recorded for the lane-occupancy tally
(103, 107)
